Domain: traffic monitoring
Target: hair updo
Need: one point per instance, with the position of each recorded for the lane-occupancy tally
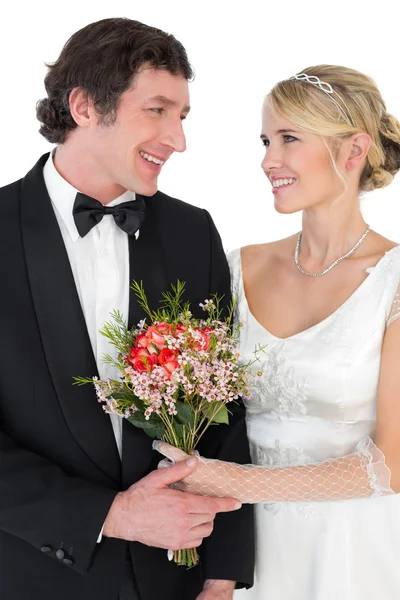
(355, 106)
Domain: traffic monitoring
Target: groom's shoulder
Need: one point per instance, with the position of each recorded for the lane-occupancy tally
(10, 190)
(9, 199)
(169, 205)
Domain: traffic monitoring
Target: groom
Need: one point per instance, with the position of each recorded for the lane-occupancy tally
(84, 513)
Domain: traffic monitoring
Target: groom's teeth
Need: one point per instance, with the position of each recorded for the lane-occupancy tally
(150, 158)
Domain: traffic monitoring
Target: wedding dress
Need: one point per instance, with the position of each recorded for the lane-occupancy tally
(315, 406)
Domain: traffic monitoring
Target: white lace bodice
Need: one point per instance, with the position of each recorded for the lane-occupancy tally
(317, 396)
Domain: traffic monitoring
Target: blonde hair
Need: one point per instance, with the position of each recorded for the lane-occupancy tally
(361, 109)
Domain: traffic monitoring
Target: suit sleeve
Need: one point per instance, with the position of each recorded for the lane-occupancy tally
(49, 509)
(229, 552)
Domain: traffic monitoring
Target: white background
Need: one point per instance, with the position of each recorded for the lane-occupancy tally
(239, 50)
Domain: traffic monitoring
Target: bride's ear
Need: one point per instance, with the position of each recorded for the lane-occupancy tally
(357, 150)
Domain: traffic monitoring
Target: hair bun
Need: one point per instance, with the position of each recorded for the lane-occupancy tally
(380, 177)
(390, 137)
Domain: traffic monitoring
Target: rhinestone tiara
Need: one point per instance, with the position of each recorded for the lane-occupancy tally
(328, 90)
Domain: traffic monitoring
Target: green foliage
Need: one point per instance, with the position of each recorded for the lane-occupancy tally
(172, 304)
(128, 398)
(216, 412)
(153, 427)
(174, 308)
(118, 334)
(82, 380)
(185, 414)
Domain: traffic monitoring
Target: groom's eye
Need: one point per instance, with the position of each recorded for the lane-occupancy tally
(159, 111)
(265, 142)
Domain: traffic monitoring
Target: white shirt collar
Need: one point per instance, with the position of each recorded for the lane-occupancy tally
(62, 194)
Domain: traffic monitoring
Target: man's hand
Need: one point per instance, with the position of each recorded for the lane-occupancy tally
(217, 589)
(152, 513)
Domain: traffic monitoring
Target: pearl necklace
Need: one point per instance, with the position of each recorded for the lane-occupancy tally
(337, 261)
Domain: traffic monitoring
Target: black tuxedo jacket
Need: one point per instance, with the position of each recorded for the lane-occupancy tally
(59, 465)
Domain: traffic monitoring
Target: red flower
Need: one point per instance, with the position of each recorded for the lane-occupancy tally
(208, 329)
(136, 352)
(179, 329)
(155, 335)
(204, 341)
(141, 360)
(164, 328)
(142, 341)
(152, 361)
(140, 365)
(167, 359)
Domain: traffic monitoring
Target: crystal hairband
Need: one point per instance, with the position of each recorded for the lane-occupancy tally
(327, 89)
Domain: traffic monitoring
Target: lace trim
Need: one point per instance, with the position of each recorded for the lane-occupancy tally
(378, 472)
(395, 309)
(233, 258)
(393, 318)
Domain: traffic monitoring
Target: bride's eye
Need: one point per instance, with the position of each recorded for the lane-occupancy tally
(289, 138)
(265, 142)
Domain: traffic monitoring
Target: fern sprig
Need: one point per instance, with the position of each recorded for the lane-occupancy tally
(116, 331)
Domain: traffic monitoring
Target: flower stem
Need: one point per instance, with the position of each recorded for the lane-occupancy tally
(186, 558)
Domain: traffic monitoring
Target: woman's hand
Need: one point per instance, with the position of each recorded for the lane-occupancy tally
(173, 454)
(208, 479)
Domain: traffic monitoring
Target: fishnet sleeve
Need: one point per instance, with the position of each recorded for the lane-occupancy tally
(359, 475)
(395, 309)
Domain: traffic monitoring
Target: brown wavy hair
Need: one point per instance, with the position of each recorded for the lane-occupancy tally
(103, 59)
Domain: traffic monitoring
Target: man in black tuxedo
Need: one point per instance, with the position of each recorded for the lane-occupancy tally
(84, 513)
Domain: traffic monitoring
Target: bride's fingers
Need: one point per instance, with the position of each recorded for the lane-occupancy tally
(174, 454)
(165, 463)
(180, 486)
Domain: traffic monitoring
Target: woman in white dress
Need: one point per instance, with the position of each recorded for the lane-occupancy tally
(324, 419)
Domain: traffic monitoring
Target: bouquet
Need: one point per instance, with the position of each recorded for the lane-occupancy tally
(178, 374)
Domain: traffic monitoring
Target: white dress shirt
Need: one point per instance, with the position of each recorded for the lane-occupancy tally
(100, 266)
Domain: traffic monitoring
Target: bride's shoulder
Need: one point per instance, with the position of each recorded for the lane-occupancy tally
(268, 252)
(383, 255)
(246, 262)
(381, 245)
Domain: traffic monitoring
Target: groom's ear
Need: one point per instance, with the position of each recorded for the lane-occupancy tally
(81, 107)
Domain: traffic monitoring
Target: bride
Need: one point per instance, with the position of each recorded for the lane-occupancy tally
(324, 419)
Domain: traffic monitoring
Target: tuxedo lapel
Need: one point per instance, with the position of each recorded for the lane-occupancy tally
(62, 325)
(146, 258)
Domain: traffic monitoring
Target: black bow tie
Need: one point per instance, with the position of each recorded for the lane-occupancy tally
(88, 212)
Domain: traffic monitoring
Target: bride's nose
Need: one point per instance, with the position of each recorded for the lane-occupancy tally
(273, 160)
